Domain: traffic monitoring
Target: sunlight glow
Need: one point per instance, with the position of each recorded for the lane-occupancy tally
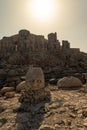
(42, 9)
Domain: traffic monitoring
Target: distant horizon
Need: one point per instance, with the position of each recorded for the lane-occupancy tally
(66, 17)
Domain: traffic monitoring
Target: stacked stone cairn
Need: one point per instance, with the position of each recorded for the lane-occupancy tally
(35, 90)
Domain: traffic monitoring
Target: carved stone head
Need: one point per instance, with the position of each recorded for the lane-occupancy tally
(35, 78)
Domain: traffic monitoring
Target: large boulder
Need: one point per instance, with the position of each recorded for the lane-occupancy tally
(21, 86)
(69, 82)
(35, 78)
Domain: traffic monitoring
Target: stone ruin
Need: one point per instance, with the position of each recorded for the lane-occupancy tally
(26, 41)
(35, 90)
(25, 44)
(57, 59)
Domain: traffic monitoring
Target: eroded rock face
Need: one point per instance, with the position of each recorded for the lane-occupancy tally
(69, 82)
(35, 90)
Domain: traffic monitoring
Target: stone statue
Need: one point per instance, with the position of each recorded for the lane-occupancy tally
(35, 90)
(35, 78)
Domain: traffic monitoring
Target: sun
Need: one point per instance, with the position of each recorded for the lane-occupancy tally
(42, 9)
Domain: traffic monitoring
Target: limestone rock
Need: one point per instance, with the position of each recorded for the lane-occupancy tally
(85, 122)
(6, 89)
(69, 82)
(21, 86)
(46, 127)
(9, 94)
(35, 78)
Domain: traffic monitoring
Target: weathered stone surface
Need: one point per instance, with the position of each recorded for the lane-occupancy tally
(35, 90)
(2, 73)
(46, 127)
(85, 122)
(21, 86)
(6, 89)
(9, 94)
(85, 87)
(26, 48)
(46, 115)
(34, 96)
(67, 82)
(35, 78)
(12, 73)
(85, 76)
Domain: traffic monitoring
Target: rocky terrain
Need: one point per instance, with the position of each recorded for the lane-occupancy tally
(66, 110)
(56, 59)
(53, 94)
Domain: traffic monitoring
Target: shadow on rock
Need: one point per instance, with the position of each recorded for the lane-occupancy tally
(31, 115)
(70, 88)
(33, 98)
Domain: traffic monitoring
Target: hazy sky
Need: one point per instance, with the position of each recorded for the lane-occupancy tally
(68, 19)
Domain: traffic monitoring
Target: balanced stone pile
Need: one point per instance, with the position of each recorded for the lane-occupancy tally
(35, 90)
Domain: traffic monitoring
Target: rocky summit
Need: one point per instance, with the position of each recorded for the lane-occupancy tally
(56, 59)
(43, 83)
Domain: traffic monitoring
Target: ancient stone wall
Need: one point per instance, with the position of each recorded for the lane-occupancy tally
(52, 37)
(53, 43)
(65, 45)
(75, 53)
(24, 34)
(6, 45)
(31, 42)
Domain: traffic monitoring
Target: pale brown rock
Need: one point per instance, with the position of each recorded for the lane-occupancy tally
(14, 116)
(69, 82)
(85, 87)
(21, 86)
(85, 122)
(6, 89)
(46, 127)
(9, 94)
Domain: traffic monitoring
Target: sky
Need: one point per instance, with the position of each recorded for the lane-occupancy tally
(66, 17)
